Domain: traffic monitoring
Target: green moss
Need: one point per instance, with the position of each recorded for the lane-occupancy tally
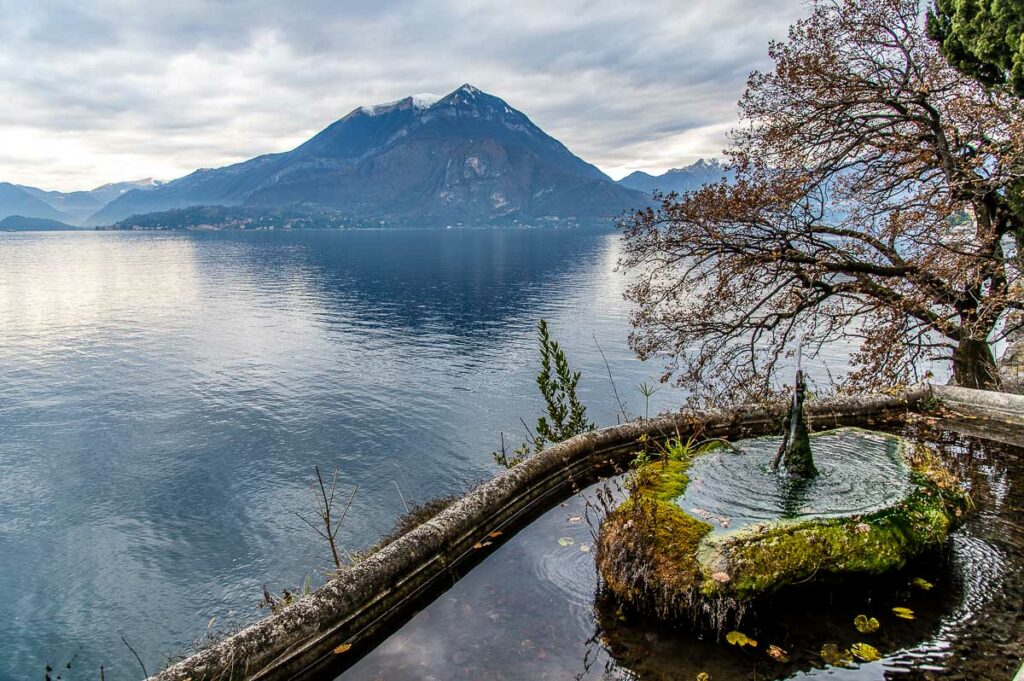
(657, 556)
(647, 549)
(662, 480)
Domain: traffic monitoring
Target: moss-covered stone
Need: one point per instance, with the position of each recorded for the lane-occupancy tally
(647, 546)
(656, 556)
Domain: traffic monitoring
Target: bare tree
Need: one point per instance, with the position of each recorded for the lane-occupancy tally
(873, 200)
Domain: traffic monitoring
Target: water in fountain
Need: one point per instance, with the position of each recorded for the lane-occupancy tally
(859, 472)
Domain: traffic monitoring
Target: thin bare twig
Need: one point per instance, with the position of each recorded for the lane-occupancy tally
(145, 674)
(406, 503)
(611, 379)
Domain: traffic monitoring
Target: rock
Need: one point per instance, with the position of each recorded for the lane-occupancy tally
(660, 559)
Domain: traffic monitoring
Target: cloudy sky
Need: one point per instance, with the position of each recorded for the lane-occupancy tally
(105, 90)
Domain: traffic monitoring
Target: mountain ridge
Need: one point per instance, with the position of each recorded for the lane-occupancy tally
(72, 207)
(15, 200)
(466, 157)
(679, 180)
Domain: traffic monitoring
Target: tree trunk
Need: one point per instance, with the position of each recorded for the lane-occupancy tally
(974, 365)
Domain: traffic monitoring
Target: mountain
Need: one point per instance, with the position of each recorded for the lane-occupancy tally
(20, 223)
(108, 192)
(79, 206)
(467, 158)
(679, 180)
(14, 200)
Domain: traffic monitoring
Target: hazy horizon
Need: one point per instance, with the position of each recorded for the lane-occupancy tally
(102, 93)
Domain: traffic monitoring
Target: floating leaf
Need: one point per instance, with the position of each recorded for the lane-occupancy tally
(566, 541)
(778, 654)
(495, 534)
(481, 545)
(865, 652)
(738, 638)
(903, 613)
(703, 676)
(585, 548)
(575, 518)
(865, 624)
(923, 584)
(835, 657)
(343, 648)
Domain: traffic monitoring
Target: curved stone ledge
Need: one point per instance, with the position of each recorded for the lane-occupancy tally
(1001, 406)
(381, 592)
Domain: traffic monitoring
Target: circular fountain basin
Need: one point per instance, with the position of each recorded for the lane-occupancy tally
(707, 532)
(860, 472)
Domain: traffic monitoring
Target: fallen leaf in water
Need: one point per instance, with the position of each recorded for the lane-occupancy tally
(903, 613)
(738, 638)
(481, 545)
(703, 676)
(778, 654)
(495, 534)
(865, 652)
(585, 548)
(922, 583)
(865, 624)
(575, 518)
(566, 541)
(701, 512)
(721, 577)
(835, 657)
(343, 648)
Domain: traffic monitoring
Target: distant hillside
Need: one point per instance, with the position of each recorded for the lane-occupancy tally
(294, 216)
(466, 158)
(20, 223)
(16, 201)
(679, 180)
(79, 206)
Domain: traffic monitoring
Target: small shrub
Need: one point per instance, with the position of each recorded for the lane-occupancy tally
(564, 417)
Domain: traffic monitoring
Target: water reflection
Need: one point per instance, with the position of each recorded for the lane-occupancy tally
(164, 397)
(529, 610)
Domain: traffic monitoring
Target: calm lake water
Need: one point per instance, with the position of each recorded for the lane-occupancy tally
(165, 396)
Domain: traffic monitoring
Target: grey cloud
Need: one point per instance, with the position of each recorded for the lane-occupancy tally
(202, 82)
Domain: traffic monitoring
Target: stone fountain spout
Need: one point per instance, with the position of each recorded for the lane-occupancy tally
(795, 451)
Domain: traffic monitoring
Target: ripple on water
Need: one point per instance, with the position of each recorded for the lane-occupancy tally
(859, 472)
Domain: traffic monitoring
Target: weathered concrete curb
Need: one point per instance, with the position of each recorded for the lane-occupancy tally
(982, 403)
(329, 625)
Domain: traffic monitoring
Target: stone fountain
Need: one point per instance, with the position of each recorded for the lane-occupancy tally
(707, 530)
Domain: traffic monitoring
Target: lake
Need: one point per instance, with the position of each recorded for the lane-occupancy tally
(164, 398)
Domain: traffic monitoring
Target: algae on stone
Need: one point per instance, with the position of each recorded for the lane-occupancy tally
(654, 555)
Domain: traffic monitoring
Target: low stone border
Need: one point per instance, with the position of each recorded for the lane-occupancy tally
(1002, 406)
(338, 621)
